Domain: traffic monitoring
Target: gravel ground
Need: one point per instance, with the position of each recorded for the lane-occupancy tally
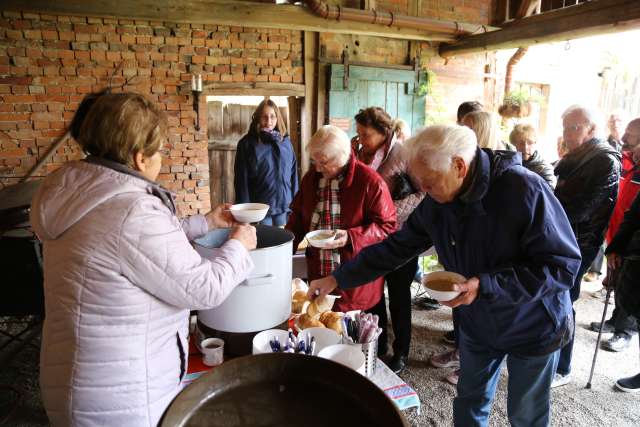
(572, 405)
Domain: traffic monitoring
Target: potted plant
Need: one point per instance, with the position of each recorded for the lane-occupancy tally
(517, 104)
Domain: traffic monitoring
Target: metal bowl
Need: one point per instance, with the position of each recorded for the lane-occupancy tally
(282, 390)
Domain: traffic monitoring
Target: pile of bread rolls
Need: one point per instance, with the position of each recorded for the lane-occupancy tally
(316, 313)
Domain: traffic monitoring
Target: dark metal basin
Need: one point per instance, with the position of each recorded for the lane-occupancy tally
(282, 390)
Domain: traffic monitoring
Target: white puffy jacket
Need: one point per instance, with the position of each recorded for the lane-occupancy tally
(120, 277)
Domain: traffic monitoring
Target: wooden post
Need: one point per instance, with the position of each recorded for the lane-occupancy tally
(309, 113)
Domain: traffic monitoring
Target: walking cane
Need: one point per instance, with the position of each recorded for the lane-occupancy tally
(595, 354)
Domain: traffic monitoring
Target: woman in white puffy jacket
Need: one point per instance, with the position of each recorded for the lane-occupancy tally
(120, 275)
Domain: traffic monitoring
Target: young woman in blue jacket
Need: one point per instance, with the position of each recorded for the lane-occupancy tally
(265, 166)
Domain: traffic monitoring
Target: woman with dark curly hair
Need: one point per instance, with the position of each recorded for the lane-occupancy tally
(377, 145)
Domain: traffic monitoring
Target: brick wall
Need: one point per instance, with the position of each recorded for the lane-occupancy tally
(48, 63)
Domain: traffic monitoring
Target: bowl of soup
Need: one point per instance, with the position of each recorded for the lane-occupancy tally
(249, 212)
(320, 238)
(439, 284)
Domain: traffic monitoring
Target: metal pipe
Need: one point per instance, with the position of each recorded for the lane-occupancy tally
(373, 16)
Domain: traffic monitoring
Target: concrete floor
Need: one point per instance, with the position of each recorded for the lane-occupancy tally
(572, 405)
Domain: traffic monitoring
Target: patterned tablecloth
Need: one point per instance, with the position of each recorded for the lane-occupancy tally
(394, 387)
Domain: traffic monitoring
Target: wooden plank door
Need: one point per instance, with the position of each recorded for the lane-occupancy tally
(397, 91)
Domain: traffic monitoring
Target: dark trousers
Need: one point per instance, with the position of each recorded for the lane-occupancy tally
(623, 322)
(399, 289)
(528, 389)
(588, 254)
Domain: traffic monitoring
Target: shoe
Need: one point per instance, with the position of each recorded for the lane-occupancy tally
(427, 303)
(449, 337)
(397, 363)
(630, 385)
(607, 328)
(450, 359)
(559, 380)
(600, 293)
(453, 377)
(617, 342)
(591, 276)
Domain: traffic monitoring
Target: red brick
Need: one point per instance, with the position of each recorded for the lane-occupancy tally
(18, 152)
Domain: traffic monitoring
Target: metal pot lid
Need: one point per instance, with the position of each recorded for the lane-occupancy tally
(283, 390)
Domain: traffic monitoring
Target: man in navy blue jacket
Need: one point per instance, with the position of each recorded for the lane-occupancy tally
(499, 225)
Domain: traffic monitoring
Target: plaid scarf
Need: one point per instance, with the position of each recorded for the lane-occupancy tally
(326, 216)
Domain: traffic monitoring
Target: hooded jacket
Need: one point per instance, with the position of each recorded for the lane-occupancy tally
(587, 189)
(508, 230)
(120, 278)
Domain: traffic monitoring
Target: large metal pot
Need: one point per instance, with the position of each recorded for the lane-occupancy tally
(282, 390)
(263, 301)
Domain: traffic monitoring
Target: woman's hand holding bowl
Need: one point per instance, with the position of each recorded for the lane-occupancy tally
(341, 239)
(245, 234)
(220, 217)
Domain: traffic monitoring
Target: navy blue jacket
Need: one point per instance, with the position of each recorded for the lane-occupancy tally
(266, 171)
(510, 231)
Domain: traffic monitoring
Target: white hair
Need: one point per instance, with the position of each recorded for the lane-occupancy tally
(435, 146)
(589, 114)
(332, 142)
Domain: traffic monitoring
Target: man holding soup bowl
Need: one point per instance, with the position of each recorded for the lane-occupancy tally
(500, 226)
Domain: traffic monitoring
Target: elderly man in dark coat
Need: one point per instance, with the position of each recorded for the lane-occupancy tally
(587, 188)
(500, 226)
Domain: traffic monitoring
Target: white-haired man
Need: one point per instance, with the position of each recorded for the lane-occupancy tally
(499, 225)
(587, 189)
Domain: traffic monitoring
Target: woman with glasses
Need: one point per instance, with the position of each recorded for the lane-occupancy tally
(524, 138)
(120, 275)
(340, 193)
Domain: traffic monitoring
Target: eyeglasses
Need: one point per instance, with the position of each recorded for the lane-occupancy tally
(323, 163)
(574, 128)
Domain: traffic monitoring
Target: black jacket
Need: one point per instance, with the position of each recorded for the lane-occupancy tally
(587, 189)
(537, 164)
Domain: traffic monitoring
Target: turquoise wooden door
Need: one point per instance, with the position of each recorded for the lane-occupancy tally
(397, 91)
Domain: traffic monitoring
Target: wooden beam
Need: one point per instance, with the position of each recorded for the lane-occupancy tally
(248, 89)
(582, 20)
(223, 12)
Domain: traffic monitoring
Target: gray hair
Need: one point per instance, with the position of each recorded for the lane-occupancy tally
(435, 146)
(590, 115)
(331, 141)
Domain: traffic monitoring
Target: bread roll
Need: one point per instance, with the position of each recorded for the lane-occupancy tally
(319, 305)
(332, 320)
(298, 300)
(330, 316)
(305, 321)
